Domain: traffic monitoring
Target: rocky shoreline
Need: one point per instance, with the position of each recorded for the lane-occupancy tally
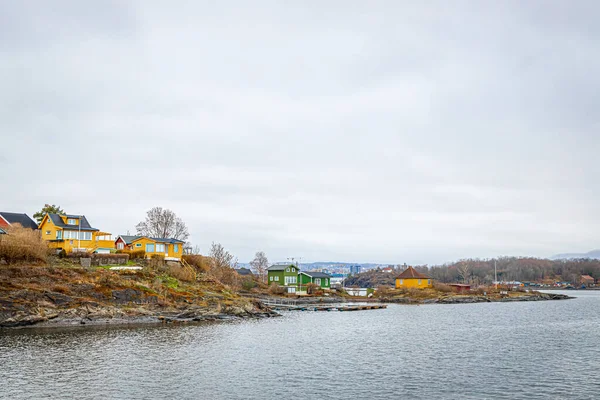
(59, 297)
(469, 299)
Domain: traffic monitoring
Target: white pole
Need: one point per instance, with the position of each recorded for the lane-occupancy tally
(495, 275)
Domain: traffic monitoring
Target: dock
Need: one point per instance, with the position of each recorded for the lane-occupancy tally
(290, 305)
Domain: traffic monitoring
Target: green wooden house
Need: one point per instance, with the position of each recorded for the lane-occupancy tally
(318, 278)
(285, 275)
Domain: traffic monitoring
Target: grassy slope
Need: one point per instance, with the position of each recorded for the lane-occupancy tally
(32, 294)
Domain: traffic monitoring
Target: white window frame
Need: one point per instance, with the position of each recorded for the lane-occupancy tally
(277, 278)
(317, 281)
(71, 221)
(48, 232)
(420, 281)
(402, 281)
(271, 278)
(160, 246)
(120, 246)
(138, 245)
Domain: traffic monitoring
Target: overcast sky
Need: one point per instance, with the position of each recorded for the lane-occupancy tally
(381, 131)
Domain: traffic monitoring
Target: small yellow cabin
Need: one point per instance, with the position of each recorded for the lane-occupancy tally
(167, 247)
(410, 278)
(73, 233)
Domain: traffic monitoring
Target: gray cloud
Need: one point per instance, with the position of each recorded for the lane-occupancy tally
(388, 131)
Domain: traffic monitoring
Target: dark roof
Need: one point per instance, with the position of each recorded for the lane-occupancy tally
(243, 271)
(411, 273)
(16, 218)
(85, 225)
(280, 267)
(131, 238)
(315, 274)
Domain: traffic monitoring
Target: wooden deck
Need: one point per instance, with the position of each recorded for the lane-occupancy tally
(290, 305)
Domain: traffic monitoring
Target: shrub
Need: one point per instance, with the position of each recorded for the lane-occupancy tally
(22, 244)
(248, 284)
(181, 273)
(62, 253)
(201, 263)
(136, 254)
(384, 290)
(276, 289)
(312, 288)
(441, 287)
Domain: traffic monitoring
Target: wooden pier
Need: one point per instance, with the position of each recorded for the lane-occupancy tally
(290, 305)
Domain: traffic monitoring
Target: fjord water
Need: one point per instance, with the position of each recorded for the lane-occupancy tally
(529, 350)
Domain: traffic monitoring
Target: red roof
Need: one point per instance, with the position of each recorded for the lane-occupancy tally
(411, 273)
(587, 277)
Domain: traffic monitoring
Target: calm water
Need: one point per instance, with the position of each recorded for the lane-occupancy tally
(536, 350)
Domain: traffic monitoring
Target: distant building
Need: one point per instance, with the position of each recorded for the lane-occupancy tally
(285, 275)
(460, 287)
(355, 269)
(410, 278)
(318, 278)
(243, 272)
(587, 280)
(388, 270)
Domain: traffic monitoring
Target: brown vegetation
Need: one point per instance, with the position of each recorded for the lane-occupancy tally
(22, 245)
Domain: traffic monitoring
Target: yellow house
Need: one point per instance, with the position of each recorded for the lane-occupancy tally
(167, 247)
(73, 233)
(410, 278)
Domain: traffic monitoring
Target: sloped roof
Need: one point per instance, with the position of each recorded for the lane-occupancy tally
(243, 271)
(411, 273)
(85, 225)
(22, 219)
(132, 238)
(587, 277)
(280, 267)
(315, 274)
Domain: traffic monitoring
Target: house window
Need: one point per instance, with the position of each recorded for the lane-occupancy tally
(287, 270)
(138, 245)
(318, 281)
(71, 221)
(293, 270)
(271, 278)
(150, 248)
(290, 280)
(176, 248)
(160, 248)
(277, 278)
(47, 232)
(59, 234)
(325, 281)
(429, 281)
(419, 281)
(402, 281)
(120, 246)
(87, 235)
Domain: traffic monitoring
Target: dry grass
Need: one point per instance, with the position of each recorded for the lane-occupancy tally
(201, 263)
(181, 273)
(441, 287)
(22, 244)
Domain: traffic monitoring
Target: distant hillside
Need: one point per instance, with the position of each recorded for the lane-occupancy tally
(567, 256)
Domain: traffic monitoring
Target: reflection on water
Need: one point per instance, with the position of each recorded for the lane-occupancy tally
(532, 350)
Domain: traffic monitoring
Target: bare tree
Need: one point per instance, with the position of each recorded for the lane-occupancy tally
(464, 269)
(223, 264)
(260, 265)
(162, 223)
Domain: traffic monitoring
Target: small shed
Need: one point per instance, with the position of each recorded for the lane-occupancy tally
(460, 287)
